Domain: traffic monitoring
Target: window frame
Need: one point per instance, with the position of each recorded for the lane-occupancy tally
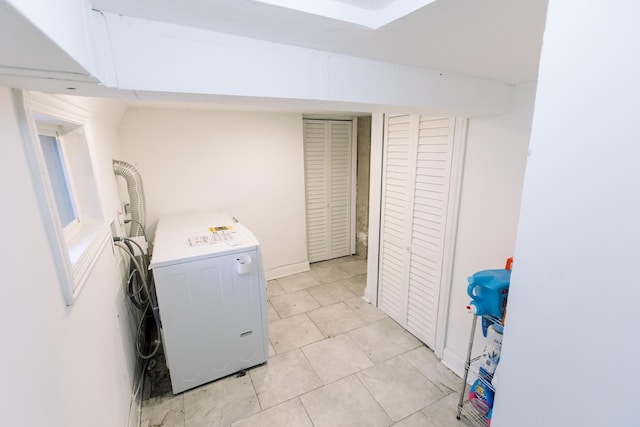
(72, 227)
(75, 250)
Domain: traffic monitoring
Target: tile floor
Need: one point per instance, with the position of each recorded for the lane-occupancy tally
(334, 360)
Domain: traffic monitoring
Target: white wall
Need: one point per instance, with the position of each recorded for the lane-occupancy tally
(250, 165)
(489, 207)
(571, 346)
(60, 366)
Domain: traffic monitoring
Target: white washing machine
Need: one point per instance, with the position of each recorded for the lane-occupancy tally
(212, 297)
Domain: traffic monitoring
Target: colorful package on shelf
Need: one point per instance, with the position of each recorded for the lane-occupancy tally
(490, 321)
(491, 353)
(481, 394)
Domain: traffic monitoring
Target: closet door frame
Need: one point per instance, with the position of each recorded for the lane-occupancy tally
(354, 176)
(455, 188)
(451, 230)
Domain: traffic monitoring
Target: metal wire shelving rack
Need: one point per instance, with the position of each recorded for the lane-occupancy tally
(466, 408)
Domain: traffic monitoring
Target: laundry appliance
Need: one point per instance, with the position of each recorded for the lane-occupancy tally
(211, 293)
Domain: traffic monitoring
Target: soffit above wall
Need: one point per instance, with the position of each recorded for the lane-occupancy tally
(495, 39)
(21, 38)
(37, 62)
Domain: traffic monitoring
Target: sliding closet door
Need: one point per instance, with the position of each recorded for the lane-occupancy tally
(416, 175)
(328, 178)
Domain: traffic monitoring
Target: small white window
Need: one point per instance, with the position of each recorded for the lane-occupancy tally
(55, 135)
(57, 171)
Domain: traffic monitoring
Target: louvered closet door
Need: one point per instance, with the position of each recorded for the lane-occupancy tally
(417, 169)
(340, 201)
(396, 182)
(431, 199)
(327, 149)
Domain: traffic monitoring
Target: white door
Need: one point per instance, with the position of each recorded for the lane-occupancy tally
(415, 199)
(328, 152)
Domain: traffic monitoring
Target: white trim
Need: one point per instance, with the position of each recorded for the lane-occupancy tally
(329, 117)
(375, 205)
(71, 183)
(73, 228)
(286, 270)
(453, 362)
(451, 231)
(92, 243)
(74, 254)
(55, 106)
(44, 196)
(354, 176)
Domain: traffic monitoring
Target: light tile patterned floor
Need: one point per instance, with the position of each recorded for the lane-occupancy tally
(334, 360)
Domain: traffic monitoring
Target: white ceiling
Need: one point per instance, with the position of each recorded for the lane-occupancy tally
(494, 39)
(364, 4)
(369, 13)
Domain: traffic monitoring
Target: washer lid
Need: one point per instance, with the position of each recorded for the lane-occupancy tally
(190, 237)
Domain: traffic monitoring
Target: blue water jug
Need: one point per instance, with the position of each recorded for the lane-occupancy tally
(488, 290)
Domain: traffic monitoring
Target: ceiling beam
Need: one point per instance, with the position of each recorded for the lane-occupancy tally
(125, 57)
(159, 57)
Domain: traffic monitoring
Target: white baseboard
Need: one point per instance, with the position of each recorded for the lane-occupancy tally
(453, 362)
(371, 291)
(286, 270)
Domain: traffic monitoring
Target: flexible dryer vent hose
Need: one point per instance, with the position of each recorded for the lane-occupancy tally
(136, 195)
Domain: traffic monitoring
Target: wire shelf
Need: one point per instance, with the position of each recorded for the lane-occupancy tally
(472, 372)
(475, 417)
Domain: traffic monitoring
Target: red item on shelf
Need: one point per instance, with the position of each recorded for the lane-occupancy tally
(509, 264)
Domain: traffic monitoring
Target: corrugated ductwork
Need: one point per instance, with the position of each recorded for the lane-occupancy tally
(136, 195)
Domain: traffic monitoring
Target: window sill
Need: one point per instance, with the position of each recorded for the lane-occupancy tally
(85, 247)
